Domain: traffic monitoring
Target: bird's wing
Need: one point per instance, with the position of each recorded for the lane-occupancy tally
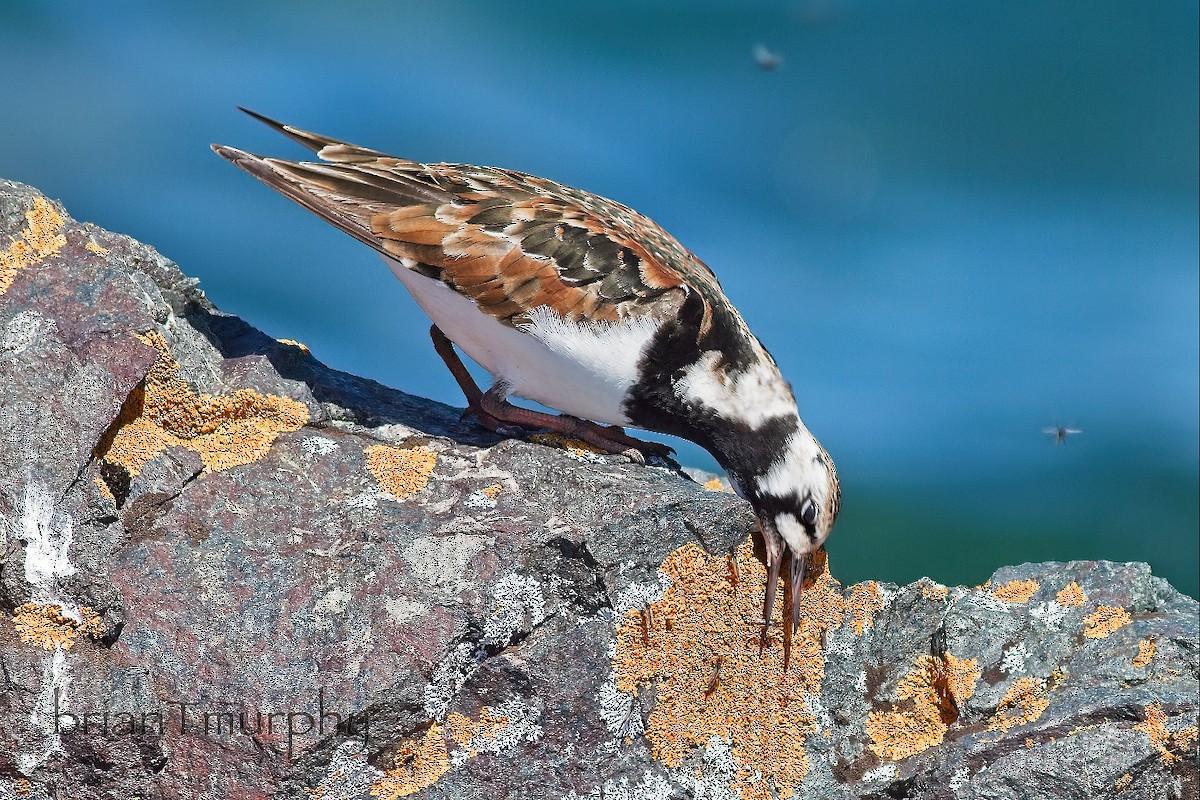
(509, 241)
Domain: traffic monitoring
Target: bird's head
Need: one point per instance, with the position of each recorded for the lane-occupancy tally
(796, 501)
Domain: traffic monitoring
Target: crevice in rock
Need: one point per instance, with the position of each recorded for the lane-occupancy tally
(897, 790)
(140, 518)
(115, 476)
(588, 596)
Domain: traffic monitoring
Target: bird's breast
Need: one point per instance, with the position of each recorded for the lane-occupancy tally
(576, 367)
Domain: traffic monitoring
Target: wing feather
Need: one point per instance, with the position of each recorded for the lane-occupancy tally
(509, 241)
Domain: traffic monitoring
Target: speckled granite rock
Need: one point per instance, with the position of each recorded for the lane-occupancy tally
(227, 570)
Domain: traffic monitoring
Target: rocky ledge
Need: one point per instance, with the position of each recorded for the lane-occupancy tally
(227, 570)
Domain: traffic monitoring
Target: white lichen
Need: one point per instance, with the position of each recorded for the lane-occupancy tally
(401, 611)
(652, 786)
(448, 677)
(959, 779)
(636, 595)
(716, 775)
(334, 601)
(318, 445)
(23, 330)
(820, 714)
(840, 644)
(348, 776)
(518, 604)
(521, 726)
(480, 501)
(1049, 614)
(441, 561)
(1014, 659)
(621, 712)
(883, 773)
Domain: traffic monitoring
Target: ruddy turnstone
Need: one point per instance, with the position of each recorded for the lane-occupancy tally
(585, 306)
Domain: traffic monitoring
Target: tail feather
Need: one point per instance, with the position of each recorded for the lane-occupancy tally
(307, 193)
(345, 189)
(314, 142)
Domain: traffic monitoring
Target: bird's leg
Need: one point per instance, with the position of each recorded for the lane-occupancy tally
(503, 417)
(470, 389)
(493, 403)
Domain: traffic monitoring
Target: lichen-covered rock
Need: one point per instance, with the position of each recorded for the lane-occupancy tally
(227, 570)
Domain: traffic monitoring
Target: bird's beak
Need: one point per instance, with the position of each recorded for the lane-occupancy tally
(799, 568)
(777, 548)
(774, 545)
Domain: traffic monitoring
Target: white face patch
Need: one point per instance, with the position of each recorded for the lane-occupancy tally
(798, 472)
(751, 397)
(792, 531)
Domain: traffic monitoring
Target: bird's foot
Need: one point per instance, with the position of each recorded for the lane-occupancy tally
(618, 441)
(617, 434)
(598, 436)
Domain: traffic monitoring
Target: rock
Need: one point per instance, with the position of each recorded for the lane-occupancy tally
(227, 570)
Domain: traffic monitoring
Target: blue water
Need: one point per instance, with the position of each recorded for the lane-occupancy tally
(953, 224)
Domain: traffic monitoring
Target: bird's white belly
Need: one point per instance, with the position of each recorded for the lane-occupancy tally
(582, 369)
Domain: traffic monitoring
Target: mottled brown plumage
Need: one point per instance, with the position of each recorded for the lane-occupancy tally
(509, 241)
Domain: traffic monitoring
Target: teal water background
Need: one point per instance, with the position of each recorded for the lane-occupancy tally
(954, 224)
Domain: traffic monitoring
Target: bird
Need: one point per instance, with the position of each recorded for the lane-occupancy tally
(766, 59)
(585, 306)
(1060, 433)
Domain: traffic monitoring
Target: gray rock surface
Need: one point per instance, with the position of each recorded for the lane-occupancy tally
(227, 570)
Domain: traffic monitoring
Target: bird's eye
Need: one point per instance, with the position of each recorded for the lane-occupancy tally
(808, 514)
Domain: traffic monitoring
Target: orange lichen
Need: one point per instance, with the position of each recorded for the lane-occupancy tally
(401, 473)
(417, 764)
(491, 491)
(919, 721)
(1165, 742)
(47, 627)
(164, 411)
(1024, 702)
(1145, 652)
(933, 591)
(474, 734)
(102, 487)
(301, 346)
(95, 248)
(1124, 782)
(1071, 595)
(1016, 591)
(575, 447)
(1104, 620)
(41, 238)
(714, 484)
(865, 600)
(699, 647)
(22, 787)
